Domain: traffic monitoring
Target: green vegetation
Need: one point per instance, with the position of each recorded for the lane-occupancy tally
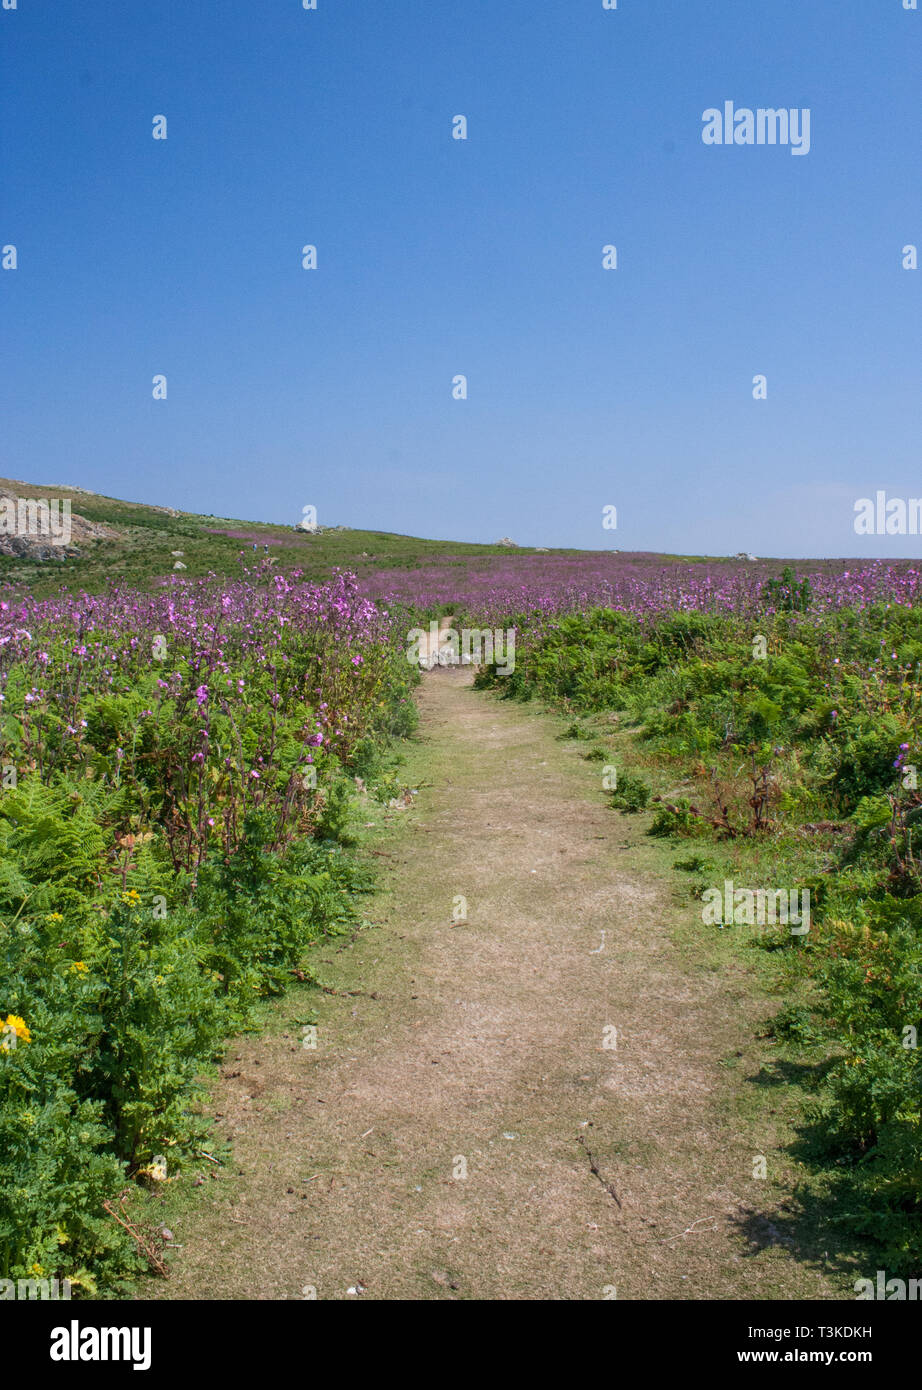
(178, 779)
(631, 794)
(128, 1001)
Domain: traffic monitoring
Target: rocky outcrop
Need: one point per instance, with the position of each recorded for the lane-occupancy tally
(25, 532)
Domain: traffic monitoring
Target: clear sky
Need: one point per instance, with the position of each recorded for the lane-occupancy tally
(437, 257)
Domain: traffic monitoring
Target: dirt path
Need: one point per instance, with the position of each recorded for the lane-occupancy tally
(482, 1052)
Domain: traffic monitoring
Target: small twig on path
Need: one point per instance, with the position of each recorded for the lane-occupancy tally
(664, 1240)
(594, 1168)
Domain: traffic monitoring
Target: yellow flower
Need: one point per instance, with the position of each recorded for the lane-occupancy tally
(13, 1031)
(54, 917)
(79, 967)
(156, 1169)
(37, 1269)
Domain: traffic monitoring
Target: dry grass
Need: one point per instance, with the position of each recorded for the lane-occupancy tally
(484, 1041)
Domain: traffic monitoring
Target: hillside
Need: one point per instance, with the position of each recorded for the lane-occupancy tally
(137, 543)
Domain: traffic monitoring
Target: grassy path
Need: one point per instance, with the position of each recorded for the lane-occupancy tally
(481, 1050)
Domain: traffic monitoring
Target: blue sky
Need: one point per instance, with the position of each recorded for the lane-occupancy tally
(437, 257)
